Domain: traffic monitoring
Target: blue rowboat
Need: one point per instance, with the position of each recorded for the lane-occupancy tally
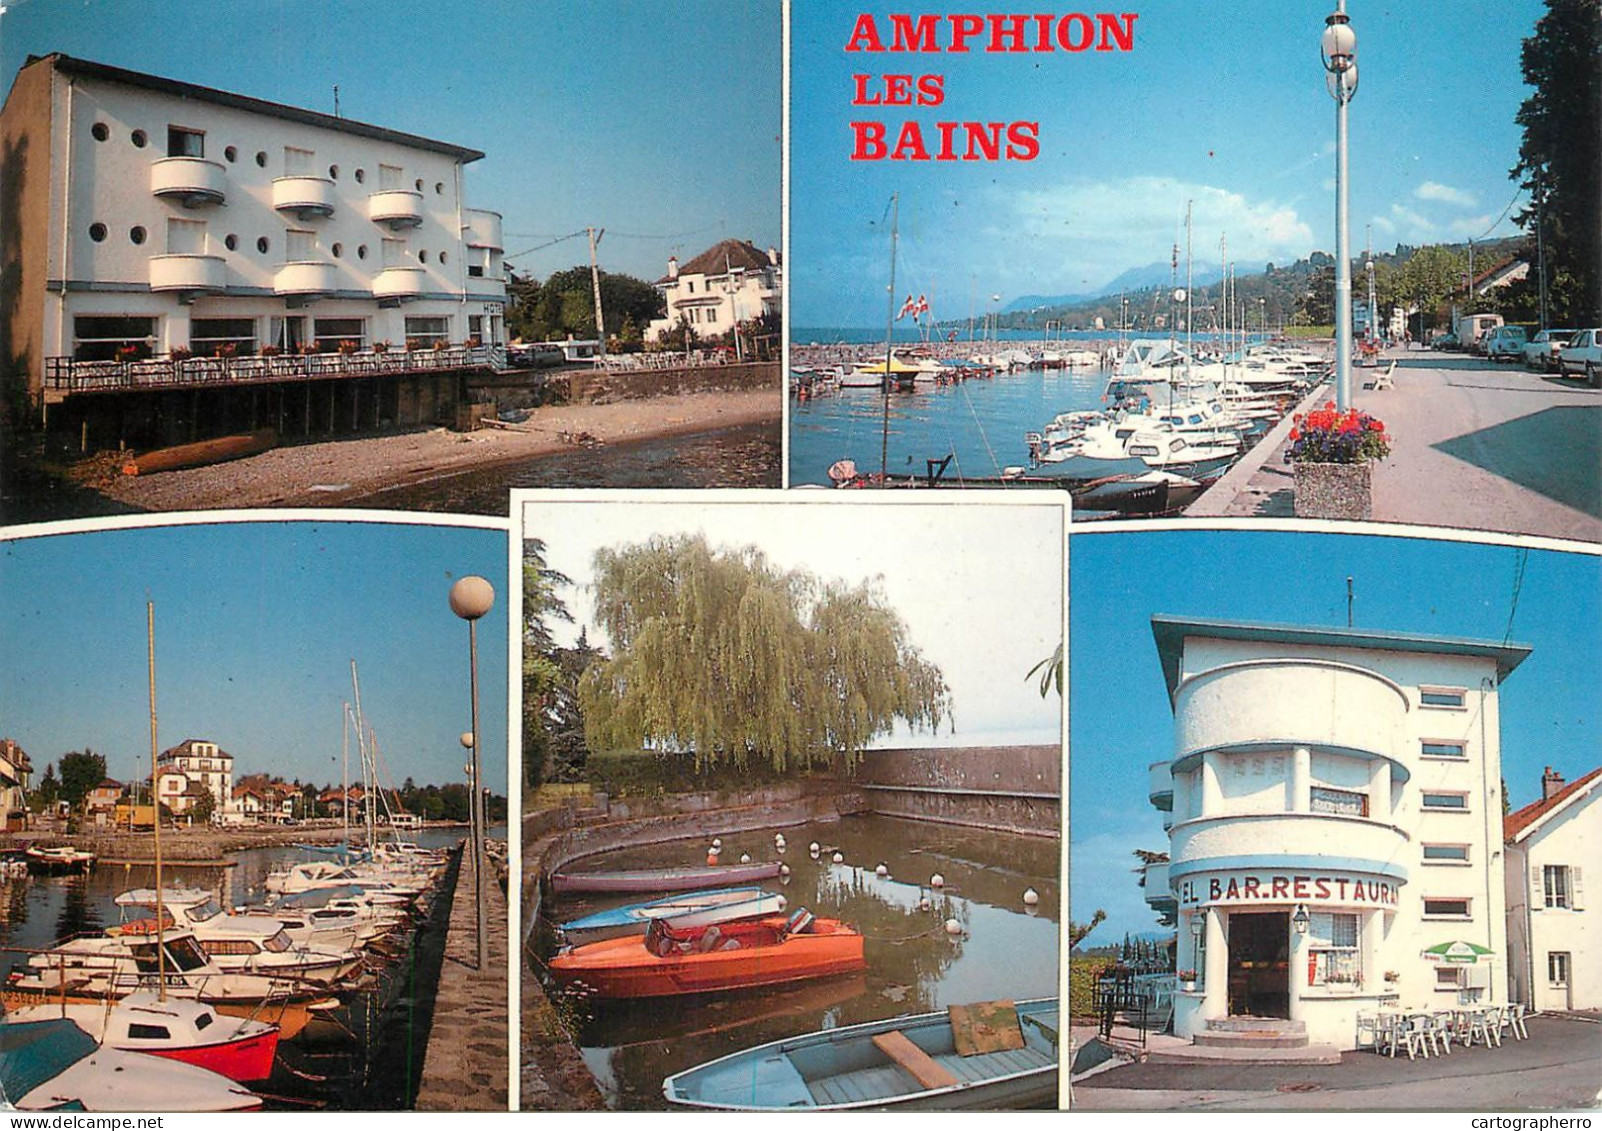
(906, 1063)
(691, 909)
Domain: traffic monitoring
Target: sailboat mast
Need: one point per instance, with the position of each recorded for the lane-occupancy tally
(344, 787)
(361, 733)
(161, 946)
(1190, 326)
(889, 330)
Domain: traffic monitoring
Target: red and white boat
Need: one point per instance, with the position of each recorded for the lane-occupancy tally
(175, 1029)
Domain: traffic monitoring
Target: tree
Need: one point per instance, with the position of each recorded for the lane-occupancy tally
(1430, 276)
(1560, 155)
(47, 791)
(564, 304)
(81, 771)
(203, 808)
(722, 655)
(1078, 931)
(542, 674)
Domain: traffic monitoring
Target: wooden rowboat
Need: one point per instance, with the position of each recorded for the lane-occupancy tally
(731, 956)
(662, 879)
(202, 452)
(903, 1063)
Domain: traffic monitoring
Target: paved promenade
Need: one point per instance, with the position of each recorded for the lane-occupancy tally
(467, 1067)
(1558, 1068)
(1476, 445)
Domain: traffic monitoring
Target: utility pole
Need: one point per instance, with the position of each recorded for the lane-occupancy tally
(595, 235)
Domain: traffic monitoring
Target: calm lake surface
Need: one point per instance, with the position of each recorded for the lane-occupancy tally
(982, 420)
(364, 1058)
(1006, 951)
(746, 455)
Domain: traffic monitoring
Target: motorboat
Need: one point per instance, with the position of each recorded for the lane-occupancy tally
(55, 1065)
(189, 1031)
(198, 910)
(666, 962)
(690, 909)
(905, 1063)
(662, 879)
(59, 858)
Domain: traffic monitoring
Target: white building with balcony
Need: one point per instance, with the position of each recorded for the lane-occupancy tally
(730, 283)
(169, 236)
(204, 765)
(1552, 932)
(1333, 808)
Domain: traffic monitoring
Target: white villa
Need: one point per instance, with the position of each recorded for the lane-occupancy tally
(1333, 806)
(728, 283)
(1552, 934)
(191, 260)
(191, 768)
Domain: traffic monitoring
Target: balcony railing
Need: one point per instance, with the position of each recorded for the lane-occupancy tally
(68, 375)
(193, 181)
(306, 198)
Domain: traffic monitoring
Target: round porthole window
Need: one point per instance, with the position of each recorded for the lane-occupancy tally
(100, 131)
(339, 250)
(361, 251)
(361, 176)
(419, 184)
(137, 234)
(422, 257)
(231, 242)
(97, 232)
(232, 154)
(333, 172)
(138, 138)
(442, 257)
(439, 187)
(261, 158)
(262, 245)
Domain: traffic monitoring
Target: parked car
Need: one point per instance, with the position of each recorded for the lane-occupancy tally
(1506, 343)
(1545, 349)
(1446, 341)
(1583, 355)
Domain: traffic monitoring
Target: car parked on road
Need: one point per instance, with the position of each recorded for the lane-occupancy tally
(1544, 351)
(1583, 355)
(1446, 341)
(1506, 343)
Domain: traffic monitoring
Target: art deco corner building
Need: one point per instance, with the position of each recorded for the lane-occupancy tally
(1334, 811)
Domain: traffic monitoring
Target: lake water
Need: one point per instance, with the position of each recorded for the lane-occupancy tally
(982, 420)
(1007, 950)
(365, 1057)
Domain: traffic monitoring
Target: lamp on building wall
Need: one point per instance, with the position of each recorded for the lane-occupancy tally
(1197, 924)
(1300, 919)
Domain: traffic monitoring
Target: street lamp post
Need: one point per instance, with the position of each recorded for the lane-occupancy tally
(472, 597)
(1338, 46)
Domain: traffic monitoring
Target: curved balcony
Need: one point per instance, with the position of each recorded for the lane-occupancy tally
(306, 198)
(192, 181)
(399, 209)
(1159, 896)
(482, 229)
(1290, 843)
(399, 283)
(307, 278)
(194, 273)
(1261, 704)
(1160, 786)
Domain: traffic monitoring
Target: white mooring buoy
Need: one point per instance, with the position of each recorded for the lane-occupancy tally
(937, 881)
(1031, 897)
(953, 927)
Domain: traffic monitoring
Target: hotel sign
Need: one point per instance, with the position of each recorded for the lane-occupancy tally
(1249, 887)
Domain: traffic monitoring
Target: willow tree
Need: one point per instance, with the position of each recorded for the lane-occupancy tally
(724, 656)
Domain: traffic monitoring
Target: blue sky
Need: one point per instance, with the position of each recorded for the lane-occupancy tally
(1221, 104)
(662, 129)
(1120, 720)
(256, 625)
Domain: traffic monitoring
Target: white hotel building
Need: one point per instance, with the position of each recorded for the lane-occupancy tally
(187, 261)
(1334, 809)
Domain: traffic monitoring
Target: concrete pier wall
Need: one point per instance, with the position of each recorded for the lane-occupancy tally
(622, 385)
(1016, 788)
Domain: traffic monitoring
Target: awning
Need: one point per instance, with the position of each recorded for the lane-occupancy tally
(1459, 951)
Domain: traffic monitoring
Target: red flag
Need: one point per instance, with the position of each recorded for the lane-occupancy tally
(922, 307)
(908, 307)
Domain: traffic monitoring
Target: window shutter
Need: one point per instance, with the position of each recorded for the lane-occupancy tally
(1537, 889)
(1577, 895)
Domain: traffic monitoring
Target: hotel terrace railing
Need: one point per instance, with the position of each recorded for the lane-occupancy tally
(68, 375)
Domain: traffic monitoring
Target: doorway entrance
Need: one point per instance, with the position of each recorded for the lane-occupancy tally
(1259, 964)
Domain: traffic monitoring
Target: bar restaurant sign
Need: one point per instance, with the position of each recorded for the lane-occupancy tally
(1244, 888)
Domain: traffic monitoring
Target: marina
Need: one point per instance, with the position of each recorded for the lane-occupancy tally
(946, 923)
(350, 1042)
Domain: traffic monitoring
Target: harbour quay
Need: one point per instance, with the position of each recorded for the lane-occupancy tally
(1475, 444)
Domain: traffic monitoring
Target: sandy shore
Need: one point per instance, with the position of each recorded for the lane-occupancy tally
(342, 471)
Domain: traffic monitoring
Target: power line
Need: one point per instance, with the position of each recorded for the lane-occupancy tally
(1518, 584)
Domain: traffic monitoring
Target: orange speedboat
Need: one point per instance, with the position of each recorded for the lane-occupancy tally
(723, 956)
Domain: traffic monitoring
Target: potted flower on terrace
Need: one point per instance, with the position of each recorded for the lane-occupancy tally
(1332, 454)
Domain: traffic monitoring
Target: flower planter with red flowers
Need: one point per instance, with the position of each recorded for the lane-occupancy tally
(1332, 455)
